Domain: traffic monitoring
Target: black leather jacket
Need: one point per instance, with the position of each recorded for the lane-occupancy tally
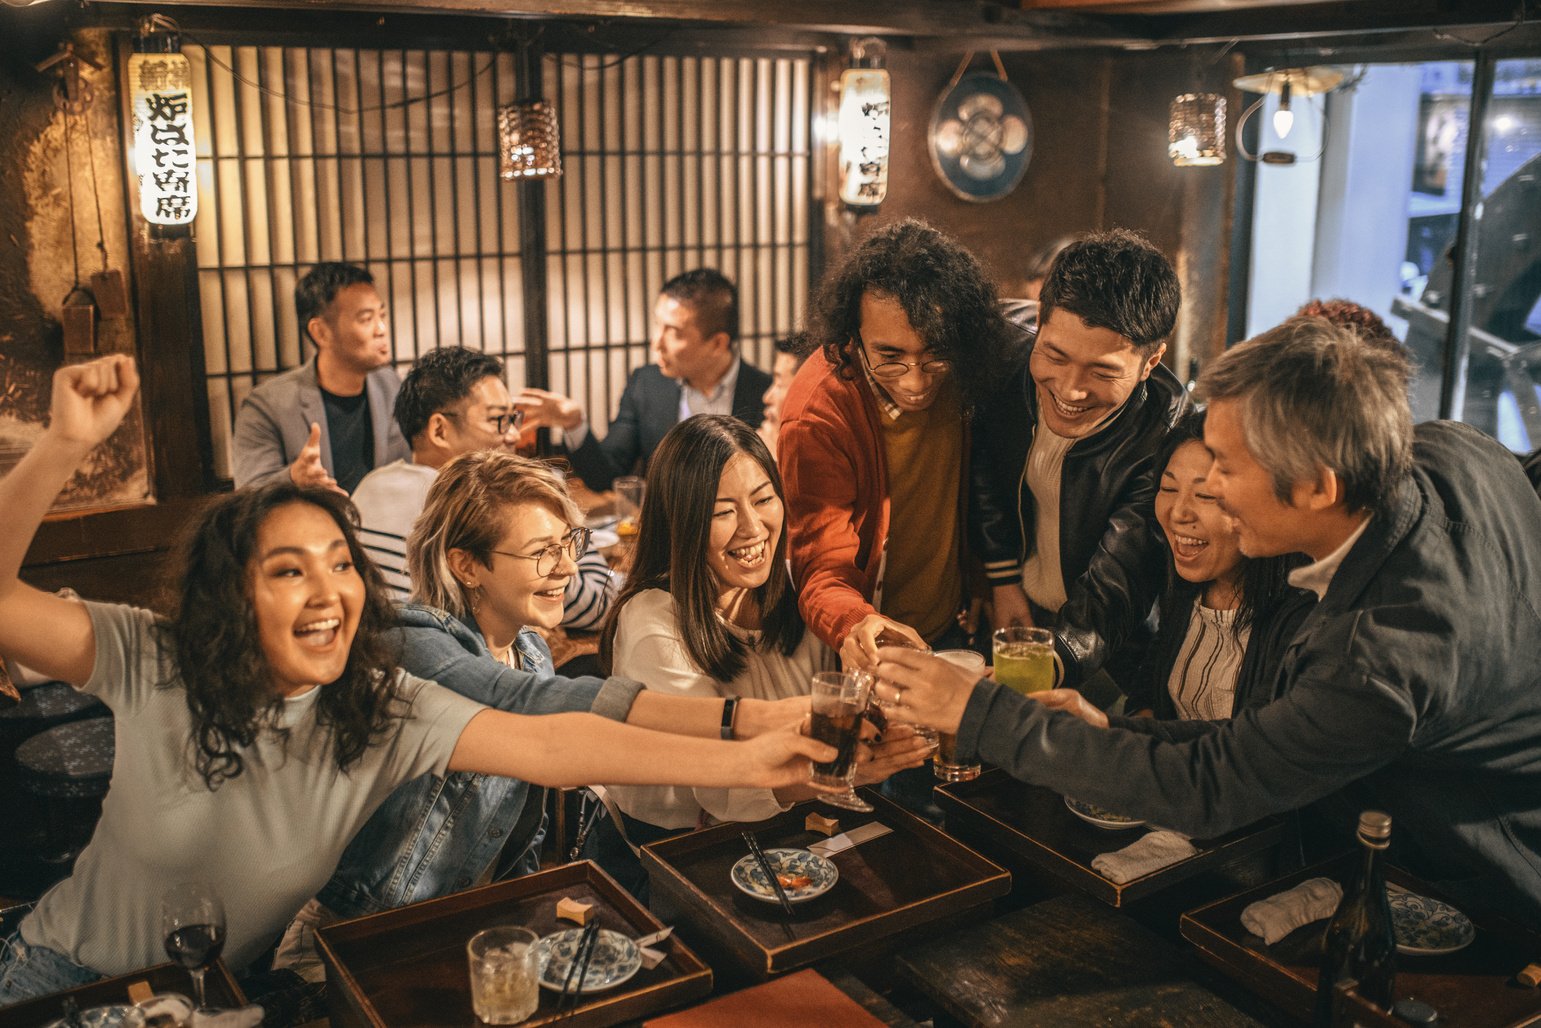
(1109, 555)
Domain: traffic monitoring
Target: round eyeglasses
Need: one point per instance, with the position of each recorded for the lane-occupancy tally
(897, 369)
(574, 544)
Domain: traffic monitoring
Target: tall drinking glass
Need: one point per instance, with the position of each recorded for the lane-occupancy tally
(945, 763)
(1024, 659)
(505, 987)
(193, 927)
(839, 699)
(629, 491)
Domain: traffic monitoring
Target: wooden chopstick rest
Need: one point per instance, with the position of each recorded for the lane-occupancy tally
(817, 822)
(576, 911)
(140, 992)
(1529, 976)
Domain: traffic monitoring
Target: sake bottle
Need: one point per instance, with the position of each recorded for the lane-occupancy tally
(1359, 943)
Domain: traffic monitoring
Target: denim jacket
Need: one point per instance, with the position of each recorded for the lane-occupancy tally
(434, 835)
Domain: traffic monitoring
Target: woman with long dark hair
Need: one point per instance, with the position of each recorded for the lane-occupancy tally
(1225, 617)
(709, 610)
(263, 722)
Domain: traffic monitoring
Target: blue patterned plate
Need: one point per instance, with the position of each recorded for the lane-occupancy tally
(1426, 927)
(792, 866)
(1100, 817)
(104, 1017)
(616, 958)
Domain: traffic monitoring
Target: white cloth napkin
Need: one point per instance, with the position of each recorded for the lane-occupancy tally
(240, 1017)
(1151, 853)
(845, 840)
(1275, 917)
(651, 957)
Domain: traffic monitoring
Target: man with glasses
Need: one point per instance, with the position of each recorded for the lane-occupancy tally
(874, 441)
(452, 402)
(328, 421)
(1063, 482)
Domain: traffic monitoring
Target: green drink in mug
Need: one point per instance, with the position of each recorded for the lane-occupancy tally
(1024, 659)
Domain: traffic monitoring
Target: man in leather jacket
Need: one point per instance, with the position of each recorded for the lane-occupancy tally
(1064, 478)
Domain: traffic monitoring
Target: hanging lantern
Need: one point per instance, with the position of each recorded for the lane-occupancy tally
(1196, 130)
(864, 126)
(529, 140)
(161, 96)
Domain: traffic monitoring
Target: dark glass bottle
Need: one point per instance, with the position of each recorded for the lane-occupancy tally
(1359, 943)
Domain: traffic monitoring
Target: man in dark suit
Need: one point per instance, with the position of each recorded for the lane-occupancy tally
(697, 370)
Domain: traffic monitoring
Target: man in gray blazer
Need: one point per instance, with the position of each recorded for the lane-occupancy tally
(329, 421)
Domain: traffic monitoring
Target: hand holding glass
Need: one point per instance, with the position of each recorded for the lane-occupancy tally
(839, 700)
(945, 764)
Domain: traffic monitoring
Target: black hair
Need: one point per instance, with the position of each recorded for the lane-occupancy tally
(1116, 280)
(711, 297)
(314, 293)
(219, 658)
(946, 295)
(440, 379)
(682, 482)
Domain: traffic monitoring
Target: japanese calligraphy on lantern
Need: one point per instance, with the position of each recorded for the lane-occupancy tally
(864, 106)
(161, 88)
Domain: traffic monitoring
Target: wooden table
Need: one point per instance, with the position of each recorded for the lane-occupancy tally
(1028, 826)
(1065, 961)
(913, 877)
(222, 991)
(407, 967)
(1472, 988)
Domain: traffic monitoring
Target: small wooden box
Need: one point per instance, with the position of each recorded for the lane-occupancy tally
(407, 967)
(1028, 826)
(1471, 988)
(909, 878)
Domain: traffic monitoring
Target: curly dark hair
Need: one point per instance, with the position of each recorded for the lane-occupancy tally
(212, 633)
(943, 289)
(1116, 280)
(682, 483)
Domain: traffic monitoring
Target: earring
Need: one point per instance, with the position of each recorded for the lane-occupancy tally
(474, 595)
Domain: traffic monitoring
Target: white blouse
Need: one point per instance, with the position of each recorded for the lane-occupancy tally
(649, 649)
(1203, 680)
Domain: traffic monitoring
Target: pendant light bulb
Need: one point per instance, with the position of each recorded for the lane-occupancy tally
(1283, 118)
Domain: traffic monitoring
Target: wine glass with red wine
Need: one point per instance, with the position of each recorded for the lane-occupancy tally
(193, 925)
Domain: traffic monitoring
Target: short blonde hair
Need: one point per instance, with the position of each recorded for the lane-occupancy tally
(468, 508)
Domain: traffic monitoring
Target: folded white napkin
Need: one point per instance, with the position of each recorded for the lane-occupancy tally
(845, 840)
(1275, 917)
(240, 1017)
(651, 957)
(1151, 853)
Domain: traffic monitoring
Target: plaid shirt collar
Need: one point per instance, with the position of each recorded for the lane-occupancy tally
(885, 402)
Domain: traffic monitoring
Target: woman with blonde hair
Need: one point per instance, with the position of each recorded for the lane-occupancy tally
(261, 724)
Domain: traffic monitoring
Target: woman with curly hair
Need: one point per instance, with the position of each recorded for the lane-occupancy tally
(709, 611)
(258, 727)
(874, 440)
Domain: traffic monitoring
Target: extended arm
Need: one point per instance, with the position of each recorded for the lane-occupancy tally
(42, 631)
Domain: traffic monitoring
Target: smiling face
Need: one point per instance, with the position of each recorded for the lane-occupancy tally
(1201, 536)
(306, 595)
(351, 332)
(473, 423)
(1265, 525)
(747, 518)
(1084, 374)
(513, 594)
(887, 336)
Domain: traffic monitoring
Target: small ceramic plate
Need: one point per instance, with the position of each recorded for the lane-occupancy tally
(820, 872)
(616, 958)
(603, 539)
(118, 1016)
(1094, 815)
(600, 522)
(1427, 927)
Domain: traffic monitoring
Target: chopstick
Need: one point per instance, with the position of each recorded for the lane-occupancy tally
(770, 873)
(580, 965)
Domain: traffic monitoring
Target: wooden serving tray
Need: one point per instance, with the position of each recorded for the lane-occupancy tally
(407, 967)
(1028, 826)
(222, 991)
(911, 877)
(1472, 988)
